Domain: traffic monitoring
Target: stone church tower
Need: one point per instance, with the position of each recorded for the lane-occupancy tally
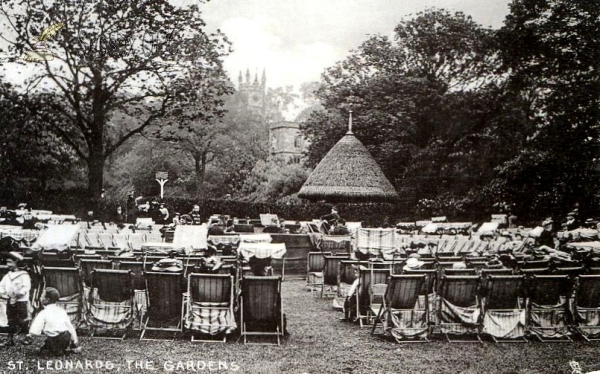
(252, 95)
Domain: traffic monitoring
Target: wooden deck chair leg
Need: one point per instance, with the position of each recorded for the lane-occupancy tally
(376, 320)
(519, 340)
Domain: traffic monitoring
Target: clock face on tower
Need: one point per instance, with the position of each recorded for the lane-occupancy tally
(254, 99)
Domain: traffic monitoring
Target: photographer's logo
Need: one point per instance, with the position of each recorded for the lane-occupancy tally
(576, 369)
(40, 50)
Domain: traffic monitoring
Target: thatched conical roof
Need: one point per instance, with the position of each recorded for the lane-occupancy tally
(348, 173)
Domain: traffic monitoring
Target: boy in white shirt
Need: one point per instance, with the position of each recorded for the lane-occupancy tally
(14, 287)
(54, 322)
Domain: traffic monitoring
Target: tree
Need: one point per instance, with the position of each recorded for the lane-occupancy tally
(92, 88)
(415, 99)
(550, 49)
(28, 153)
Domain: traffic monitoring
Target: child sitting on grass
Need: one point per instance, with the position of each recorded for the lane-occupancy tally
(54, 322)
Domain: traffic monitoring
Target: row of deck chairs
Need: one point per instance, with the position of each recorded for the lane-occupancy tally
(499, 306)
(106, 240)
(199, 303)
(433, 305)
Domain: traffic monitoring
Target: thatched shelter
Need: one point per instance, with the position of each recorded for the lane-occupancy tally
(348, 173)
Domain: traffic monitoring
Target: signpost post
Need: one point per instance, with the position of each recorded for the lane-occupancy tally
(162, 177)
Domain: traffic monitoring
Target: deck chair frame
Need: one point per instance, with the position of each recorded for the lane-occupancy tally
(315, 262)
(588, 293)
(125, 281)
(561, 284)
(159, 286)
(447, 283)
(498, 296)
(246, 306)
(368, 278)
(226, 281)
(51, 275)
(398, 297)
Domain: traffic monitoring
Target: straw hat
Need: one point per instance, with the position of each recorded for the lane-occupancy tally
(168, 264)
(413, 263)
(547, 222)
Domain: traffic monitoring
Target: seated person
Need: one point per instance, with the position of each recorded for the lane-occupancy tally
(226, 249)
(260, 266)
(350, 302)
(29, 220)
(210, 262)
(340, 228)
(54, 322)
(215, 230)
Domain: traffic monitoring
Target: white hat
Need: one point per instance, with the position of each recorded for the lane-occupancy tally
(413, 263)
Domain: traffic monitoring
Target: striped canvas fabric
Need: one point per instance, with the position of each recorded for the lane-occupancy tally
(505, 324)
(406, 324)
(71, 304)
(549, 321)
(332, 243)
(588, 321)
(206, 319)
(372, 241)
(108, 315)
(458, 320)
(262, 250)
(224, 239)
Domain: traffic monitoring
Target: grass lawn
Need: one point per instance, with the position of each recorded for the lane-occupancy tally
(319, 343)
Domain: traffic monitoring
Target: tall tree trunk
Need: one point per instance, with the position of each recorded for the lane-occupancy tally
(200, 167)
(95, 175)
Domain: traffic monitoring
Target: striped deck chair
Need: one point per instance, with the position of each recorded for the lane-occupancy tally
(165, 303)
(315, 262)
(487, 272)
(139, 285)
(136, 241)
(87, 266)
(504, 313)
(92, 240)
(547, 307)
(107, 241)
(459, 306)
(400, 313)
(110, 302)
(369, 278)
(337, 244)
(587, 307)
(261, 309)
(210, 305)
(121, 241)
(69, 284)
(330, 274)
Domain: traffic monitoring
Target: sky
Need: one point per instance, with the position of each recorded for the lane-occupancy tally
(296, 40)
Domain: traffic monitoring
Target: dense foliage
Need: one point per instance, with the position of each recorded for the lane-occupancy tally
(463, 117)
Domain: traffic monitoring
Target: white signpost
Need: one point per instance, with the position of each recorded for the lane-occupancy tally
(162, 177)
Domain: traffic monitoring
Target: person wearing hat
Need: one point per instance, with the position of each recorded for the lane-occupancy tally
(571, 223)
(413, 263)
(331, 219)
(55, 324)
(195, 215)
(547, 237)
(15, 287)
